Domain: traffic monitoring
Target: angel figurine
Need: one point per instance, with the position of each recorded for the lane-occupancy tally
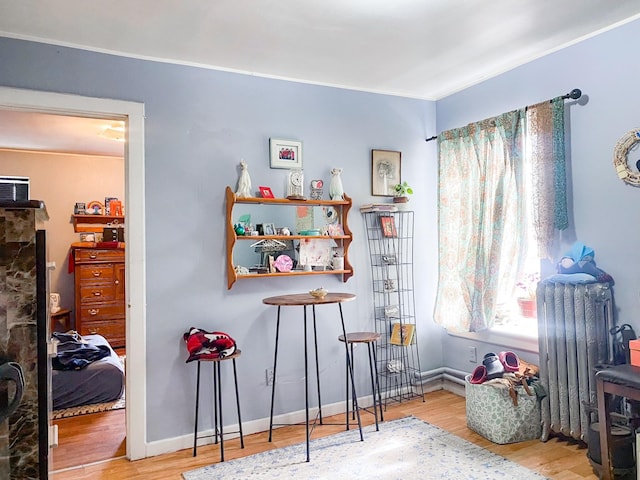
(336, 192)
(244, 182)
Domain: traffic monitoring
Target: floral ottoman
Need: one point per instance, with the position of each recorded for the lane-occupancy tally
(491, 413)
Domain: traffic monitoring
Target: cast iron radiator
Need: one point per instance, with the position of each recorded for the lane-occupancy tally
(573, 336)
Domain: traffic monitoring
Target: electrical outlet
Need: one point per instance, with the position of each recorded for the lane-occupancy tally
(473, 356)
(268, 373)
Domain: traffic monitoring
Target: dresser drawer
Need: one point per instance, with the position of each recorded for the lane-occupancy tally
(100, 272)
(113, 330)
(92, 313)
(83, 255)
(97, 292)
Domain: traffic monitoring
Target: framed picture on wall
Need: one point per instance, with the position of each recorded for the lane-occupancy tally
(285, 153)
(385, 172)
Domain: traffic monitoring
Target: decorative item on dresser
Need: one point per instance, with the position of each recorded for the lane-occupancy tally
(100, 292)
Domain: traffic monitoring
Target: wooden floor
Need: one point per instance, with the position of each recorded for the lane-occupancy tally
(555, 459)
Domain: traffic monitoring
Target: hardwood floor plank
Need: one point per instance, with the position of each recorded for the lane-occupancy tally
(556, 459)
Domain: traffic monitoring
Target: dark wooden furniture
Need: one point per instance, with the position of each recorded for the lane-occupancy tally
(370, 339)
(61, 321)
(100, 293)
(305, 300)
(621, 380)
(218, 427)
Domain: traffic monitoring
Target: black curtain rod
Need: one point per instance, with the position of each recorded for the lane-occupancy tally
(574, 94)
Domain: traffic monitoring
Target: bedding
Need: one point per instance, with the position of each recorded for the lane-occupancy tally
(99, 382)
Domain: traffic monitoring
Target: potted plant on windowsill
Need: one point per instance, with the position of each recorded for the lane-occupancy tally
(527, 295)
(401, 192)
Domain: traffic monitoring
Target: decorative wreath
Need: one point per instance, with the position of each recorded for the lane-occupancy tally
(620, 154)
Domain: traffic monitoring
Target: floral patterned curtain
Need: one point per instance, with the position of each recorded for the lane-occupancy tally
(482, 205)
(545, 133)
(481, 218)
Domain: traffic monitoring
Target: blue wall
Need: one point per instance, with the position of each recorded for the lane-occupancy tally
(603, 208)
(199, 124)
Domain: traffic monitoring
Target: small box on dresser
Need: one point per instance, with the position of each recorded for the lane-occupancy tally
(100, 293)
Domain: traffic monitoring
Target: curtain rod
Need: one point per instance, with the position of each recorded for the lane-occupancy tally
(574, 94)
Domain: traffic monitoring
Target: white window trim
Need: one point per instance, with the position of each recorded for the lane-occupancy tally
(502, 337)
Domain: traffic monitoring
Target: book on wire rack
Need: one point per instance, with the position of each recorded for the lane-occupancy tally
(378, 207)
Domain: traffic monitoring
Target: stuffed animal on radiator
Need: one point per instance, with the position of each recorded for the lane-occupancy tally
(204, 345)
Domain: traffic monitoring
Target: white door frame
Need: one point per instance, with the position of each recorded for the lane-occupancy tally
(133, 114)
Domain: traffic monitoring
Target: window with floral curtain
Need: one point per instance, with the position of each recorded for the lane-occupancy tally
(501, 182)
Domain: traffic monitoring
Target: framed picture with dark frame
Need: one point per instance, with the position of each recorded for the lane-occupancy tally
(385, 172)
(285, 153)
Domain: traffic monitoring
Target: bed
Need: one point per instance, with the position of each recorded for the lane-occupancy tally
(99, 382)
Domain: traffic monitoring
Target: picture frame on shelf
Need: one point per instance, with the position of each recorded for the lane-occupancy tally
(385, 172)
(268, 229)
(388, 225)
(80, 208)
(285, 153)
(266, 192)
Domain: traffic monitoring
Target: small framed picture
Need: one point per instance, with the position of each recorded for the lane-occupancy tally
(80, 208)
(285, 153)
(385, 172)
(87, 237)
(268, 229)
(266, 192)
(388, 226)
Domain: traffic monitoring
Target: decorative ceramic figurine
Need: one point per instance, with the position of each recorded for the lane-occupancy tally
(244, 182)
(336, 192)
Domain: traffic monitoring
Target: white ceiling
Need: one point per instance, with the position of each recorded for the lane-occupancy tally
(415, 48)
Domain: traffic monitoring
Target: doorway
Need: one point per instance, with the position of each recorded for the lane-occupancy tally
(133, 115)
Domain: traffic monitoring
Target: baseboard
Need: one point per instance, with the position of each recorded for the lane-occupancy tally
(431, 381)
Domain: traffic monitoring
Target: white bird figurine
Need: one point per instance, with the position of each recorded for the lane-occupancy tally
(244, 182)
(336, 192)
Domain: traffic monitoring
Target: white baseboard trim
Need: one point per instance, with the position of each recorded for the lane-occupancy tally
(439, 379)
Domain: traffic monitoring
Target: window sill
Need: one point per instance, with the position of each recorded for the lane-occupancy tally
(521, 334)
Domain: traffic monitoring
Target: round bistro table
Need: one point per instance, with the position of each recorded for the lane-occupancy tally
(305, 300)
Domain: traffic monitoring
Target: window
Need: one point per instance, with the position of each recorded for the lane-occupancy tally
(501, 199)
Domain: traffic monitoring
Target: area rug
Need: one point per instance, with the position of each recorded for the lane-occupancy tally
(404, 448)
(85, 409)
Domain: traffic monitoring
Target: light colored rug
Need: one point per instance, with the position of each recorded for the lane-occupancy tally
(402, 449)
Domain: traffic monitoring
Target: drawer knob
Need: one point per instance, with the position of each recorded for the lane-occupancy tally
(96, 273)
(93, 331)
(94, 311)
(97, 293)
(93, 255)
(117, 282)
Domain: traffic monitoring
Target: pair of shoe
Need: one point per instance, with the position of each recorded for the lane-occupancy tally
(493, 366)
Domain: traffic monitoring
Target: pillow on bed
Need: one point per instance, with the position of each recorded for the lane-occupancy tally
(204, 345)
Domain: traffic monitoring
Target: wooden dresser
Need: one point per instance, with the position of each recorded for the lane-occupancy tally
(100, 293)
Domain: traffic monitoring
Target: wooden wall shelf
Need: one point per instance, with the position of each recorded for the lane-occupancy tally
(342, 206)
(95, 223)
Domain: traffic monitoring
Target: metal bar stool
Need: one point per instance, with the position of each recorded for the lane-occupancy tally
(218, 428)
(370, 338)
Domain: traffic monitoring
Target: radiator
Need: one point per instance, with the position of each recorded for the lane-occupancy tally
(573, 336)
